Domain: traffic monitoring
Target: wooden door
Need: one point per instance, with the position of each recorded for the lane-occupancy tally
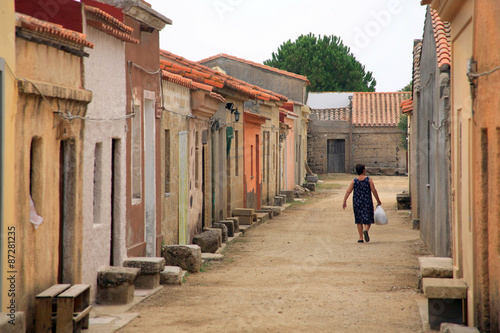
(336, 155)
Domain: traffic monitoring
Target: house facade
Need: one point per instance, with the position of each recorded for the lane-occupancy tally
(143, 163)
(431, 171)
(291, 85)
(52, 106)
(105, 141)
(474, 148)
(364, 131)
(8, 110)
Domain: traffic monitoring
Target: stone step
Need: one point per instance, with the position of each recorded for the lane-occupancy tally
(212, 257)
(436, 267)
(171, 275)
(444, 288)
(187, 257)
(262, 217)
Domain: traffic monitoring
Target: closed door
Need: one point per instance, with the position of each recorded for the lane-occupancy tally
(336, 155)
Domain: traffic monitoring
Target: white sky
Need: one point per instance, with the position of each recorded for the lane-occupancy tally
(379, 32)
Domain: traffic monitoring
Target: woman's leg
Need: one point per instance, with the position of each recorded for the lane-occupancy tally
(360, 230)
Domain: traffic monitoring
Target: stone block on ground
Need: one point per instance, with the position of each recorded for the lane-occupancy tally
(312, 178)
(148, 265)
(264, 217)
(436, 267)
(269, 213)
(456, 328)
(275, 209)
(290, 195)
(278, 201)
(224, 230)
(243, 211)
(236, 221)
(404, 201)
(230, 227)
(115, 285)
(212, 256)
(246, 220)
(209, 241)
(310, 186)
(416, 224)
(187, 257)
(444, 288)
(147, 281)
(171, 275)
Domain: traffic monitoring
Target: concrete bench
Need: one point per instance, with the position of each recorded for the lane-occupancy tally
(151, 267)
(73, 309)
(46, 307)
(446, 301)
(115, 285)
(246, 216)
(435, 267)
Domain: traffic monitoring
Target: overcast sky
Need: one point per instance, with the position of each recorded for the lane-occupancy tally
(379, 32)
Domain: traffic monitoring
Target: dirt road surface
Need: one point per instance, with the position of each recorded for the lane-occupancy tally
(303, 271)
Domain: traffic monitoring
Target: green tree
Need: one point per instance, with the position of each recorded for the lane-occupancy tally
(408, 87)
(326, 61)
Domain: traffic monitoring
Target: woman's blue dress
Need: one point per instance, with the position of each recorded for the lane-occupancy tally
(362, 202)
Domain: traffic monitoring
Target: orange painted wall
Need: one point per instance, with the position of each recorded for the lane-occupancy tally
(486, 157)
(252, 164)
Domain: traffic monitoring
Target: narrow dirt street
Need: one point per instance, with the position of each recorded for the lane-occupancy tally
(303, 271)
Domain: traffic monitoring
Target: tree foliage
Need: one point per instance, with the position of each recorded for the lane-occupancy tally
(408, 87)
(326, 61)
(403, 126)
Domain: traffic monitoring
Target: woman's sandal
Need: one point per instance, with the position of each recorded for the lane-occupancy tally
(360, 241)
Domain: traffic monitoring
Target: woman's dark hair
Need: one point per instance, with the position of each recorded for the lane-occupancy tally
(360, 168)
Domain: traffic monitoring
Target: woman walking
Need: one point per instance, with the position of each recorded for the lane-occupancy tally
(362, 202)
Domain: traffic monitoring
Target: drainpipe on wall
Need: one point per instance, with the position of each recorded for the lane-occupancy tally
(350, 133)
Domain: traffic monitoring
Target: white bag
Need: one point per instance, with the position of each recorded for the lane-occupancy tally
(380, 217)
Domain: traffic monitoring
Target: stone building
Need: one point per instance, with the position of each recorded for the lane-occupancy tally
(105, 141)
(143, 96)
(429, 139)
(291, 85)
(474, 154)
(52, 106)
(363, 131)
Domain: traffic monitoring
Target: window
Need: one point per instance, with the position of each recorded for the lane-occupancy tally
(167, 161)
(197, 159)
(136, 153)
(36, 168)
(236, 154)
(98, 182)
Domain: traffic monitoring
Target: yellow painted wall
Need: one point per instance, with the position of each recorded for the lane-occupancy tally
(7, 52)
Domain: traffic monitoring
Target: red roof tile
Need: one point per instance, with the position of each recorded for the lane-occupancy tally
(255, 64)
(442, 36)
(111, 31)
(109, 19)
(407, 106)
(51, 29)
(203, 74)
(377, 109)
(182, 81)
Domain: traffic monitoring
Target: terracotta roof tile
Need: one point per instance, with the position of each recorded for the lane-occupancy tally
(111, 31)
(407, 105)
(203, 74)
(109, 19)
(255, 64)
(51, 29)
(442, 36)
(182, 81)
(417, 50)
(377, 109)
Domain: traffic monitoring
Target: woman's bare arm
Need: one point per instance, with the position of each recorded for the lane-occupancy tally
(347, 194)
(374, 191)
